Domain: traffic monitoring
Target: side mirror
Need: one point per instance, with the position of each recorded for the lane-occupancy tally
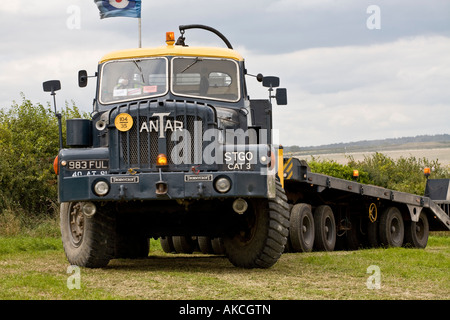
(281, 96)
(82, 78)
(273, 82)
(51, 86)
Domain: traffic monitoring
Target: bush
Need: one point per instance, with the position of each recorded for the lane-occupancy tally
(403, 174)
(28, 145)
(334, 169)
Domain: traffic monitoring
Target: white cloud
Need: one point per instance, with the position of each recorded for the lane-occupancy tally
(11, 7)
(295, 5)
(362, 92)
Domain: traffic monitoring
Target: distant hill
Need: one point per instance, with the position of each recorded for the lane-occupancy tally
(417, 142)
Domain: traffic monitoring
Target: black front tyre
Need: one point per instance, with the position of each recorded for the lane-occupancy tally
(261, 240)
(87, 241)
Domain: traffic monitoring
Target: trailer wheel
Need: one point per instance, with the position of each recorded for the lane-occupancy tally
(263, 233)
(87, 241)
(301, 228)
(416, 233)
(391, 228)
(324, 229)
(167, 244)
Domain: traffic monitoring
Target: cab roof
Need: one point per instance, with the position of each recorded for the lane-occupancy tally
(173, 50)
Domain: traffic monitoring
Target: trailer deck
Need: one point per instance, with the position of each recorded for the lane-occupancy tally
(299, 179)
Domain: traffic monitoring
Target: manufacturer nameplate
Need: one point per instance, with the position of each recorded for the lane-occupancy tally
(124, 179)
(198, 178)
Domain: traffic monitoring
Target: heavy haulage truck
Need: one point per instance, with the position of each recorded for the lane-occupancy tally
(177, 150)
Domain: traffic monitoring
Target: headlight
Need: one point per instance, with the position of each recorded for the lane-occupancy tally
(101, 188)
(222, 184)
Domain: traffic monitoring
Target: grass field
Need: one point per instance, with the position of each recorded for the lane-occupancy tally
(36, 268)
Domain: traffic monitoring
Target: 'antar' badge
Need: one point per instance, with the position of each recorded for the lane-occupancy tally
(160, 126)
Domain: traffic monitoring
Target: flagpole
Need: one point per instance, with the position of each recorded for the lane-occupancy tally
(140, 33)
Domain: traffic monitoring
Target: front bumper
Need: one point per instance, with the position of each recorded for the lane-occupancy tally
(180, 185)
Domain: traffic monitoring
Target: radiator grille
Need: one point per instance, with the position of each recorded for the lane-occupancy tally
(140, 149)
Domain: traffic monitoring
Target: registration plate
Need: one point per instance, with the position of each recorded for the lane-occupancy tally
(87, 164)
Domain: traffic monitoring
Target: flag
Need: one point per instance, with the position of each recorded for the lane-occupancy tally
(119, 8)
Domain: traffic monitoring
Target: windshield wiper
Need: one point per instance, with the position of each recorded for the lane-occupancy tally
(197, 59)
(140, 70)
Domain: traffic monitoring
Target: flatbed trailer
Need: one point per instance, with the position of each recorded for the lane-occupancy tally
(358, 214)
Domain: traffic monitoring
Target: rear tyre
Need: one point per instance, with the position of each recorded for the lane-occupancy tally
(204, 243)
(167, 244)
(416, 233)
(301, 228)
(324, 229)
(87, 241)
(391, 228)
(263, 233)
(183, 244)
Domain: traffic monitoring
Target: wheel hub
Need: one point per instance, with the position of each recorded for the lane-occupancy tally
(76, 220)
(396, 233)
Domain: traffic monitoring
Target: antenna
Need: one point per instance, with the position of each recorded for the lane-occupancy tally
(52, 86)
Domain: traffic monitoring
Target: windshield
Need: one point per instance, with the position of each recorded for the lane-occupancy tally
(215, 79)
(133, 79)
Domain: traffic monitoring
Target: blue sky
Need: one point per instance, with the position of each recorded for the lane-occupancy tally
(346, 80)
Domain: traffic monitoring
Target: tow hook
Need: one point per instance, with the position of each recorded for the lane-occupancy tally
(201, 189)
(161, 186)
